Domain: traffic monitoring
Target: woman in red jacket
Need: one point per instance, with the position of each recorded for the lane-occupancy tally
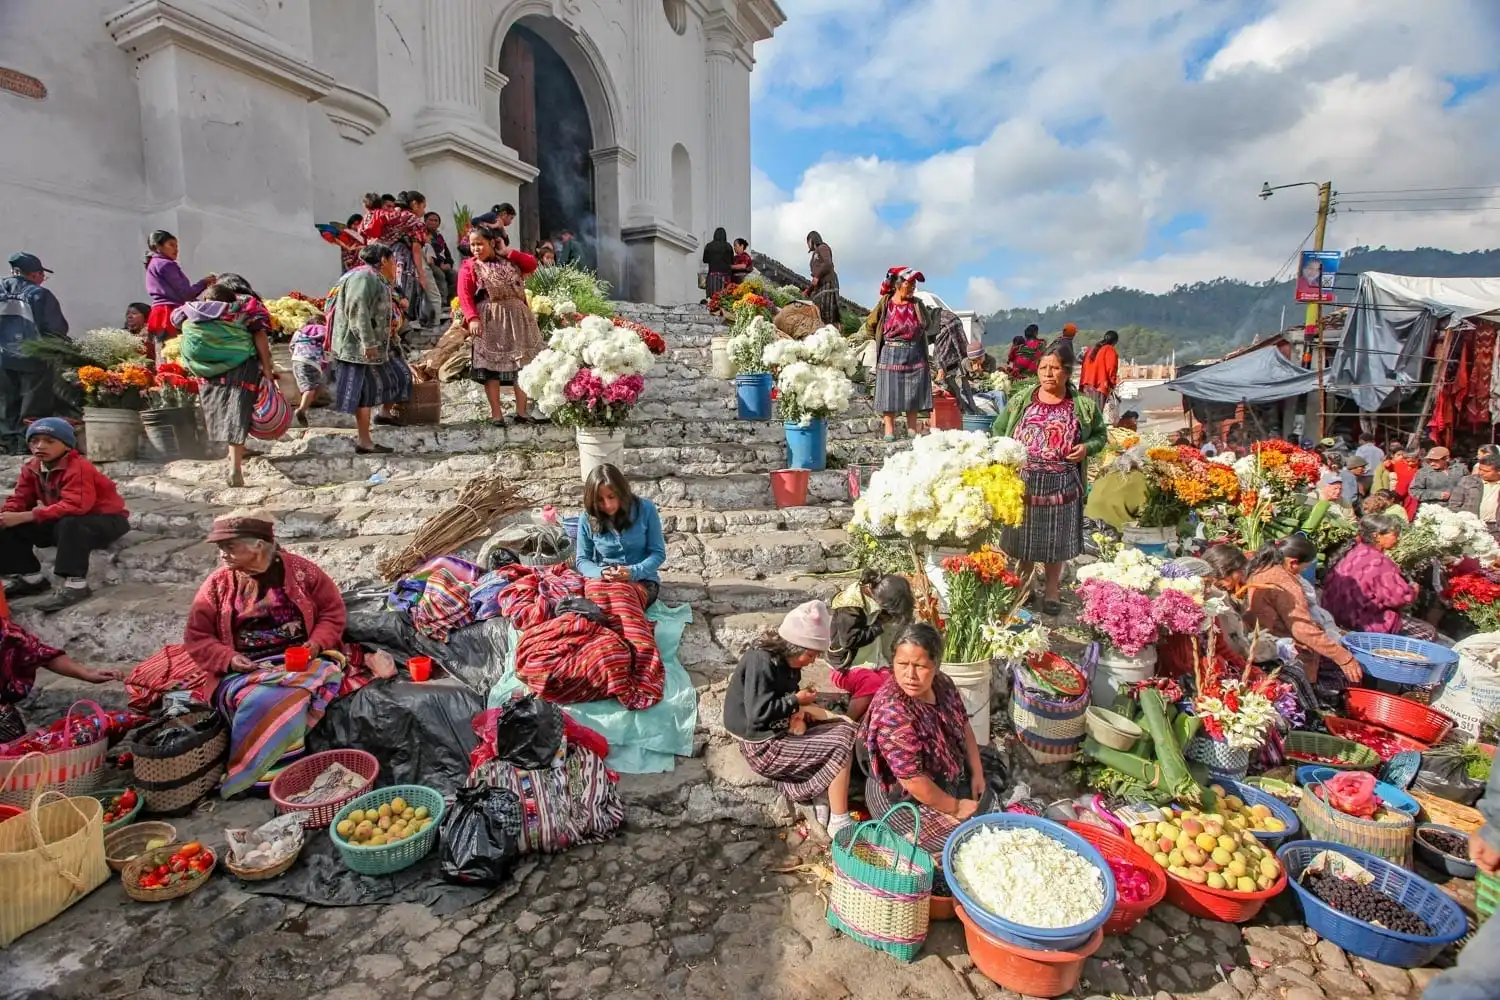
(61, 500)
(503, 332)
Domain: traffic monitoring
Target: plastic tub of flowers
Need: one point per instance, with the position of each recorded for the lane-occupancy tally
(1056, 887)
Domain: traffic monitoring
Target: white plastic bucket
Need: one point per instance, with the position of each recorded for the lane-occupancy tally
(113, 434)
(599, 446)
(1115, 669)
(1152, 541)
(973, 682)
(719, 350)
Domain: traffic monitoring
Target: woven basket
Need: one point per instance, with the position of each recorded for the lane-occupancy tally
(1329, 751)
(797, 320)
(1454, 814)
(1390, 840)
(128, 843)
(1222, 760)
(75, 771)
(130, 878)
(262, 874)
(171, 781)
(882, 886)
(49, 859)
(388, 858)
(300, 776)
(1051, 729)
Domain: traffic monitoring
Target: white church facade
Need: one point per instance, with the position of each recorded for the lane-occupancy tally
(240, 124)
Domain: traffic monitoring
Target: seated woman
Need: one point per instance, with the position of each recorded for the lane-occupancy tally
(867, 617)
(1365, 591)
(619, 535)
(920, 745)
(1280, 602)
(21, 654)
(805, 752)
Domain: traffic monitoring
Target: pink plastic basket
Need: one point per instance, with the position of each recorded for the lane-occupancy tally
(300, 776)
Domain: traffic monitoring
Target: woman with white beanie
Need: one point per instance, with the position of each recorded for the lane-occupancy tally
(805, 751)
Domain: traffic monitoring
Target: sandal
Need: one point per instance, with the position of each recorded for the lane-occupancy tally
(378, 449)
(497, 421)
(890, 439)
(1052, 608)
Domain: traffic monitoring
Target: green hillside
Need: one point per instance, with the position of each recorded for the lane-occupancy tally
(1210, 318)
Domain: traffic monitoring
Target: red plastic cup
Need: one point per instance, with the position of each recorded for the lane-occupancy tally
(297, 658)
(420, 668)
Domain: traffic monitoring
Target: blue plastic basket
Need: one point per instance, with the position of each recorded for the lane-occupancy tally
(1036, 938)
(1312, 774)
(1404, 951)
(1438, 658)
(1251, 795)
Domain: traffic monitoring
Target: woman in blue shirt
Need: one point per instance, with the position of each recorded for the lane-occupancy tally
(619, 535)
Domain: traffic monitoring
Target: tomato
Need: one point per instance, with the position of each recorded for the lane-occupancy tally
(201, 863)
(161, 871)
(190, 850)
(128, 800)
(179, 865)
(150, 882)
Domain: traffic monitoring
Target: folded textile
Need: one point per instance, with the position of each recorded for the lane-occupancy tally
(576, 658)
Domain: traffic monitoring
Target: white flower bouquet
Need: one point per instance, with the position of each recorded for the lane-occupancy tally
(951, 486)
(590, 375)
(812, 374)
(1130, 568)
(1438, 532)
(747, 346)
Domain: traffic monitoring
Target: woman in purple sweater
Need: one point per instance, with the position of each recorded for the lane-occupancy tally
(168, 287)
(1365, 591)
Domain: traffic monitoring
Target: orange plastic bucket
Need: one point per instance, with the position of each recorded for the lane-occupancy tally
(1024, 970)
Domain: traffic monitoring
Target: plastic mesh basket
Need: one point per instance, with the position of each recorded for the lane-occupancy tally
(388, 858)
(1427, 667)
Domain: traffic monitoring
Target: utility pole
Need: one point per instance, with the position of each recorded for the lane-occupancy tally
(1311, 334)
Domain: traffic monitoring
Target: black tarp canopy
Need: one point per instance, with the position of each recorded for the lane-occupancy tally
(1261, 375)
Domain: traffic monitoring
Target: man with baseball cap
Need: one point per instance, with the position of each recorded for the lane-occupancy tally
(28, 312)
(1438, 478)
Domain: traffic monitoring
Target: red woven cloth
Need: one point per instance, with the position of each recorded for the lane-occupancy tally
(573, 659)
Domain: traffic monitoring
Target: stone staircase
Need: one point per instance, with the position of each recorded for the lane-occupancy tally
(732, 554)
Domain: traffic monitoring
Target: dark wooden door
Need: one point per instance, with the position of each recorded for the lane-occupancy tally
(518, 129)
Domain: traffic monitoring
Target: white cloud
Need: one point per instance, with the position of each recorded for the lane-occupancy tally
(1290, 95)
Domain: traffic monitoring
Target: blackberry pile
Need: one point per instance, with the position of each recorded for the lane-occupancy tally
(1450, 844)
(1364, 902)
(940, 884)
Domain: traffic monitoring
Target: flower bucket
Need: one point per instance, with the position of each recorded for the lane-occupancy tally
(945, 414)
(807, 446)
(173, 432)
(1222, 760)
(973, 681)
(982, 422)
(1152, 541)
(789, 487)
(1115, 670)
(598, 446)
(719, 351)
(753, 396)
(114, 434)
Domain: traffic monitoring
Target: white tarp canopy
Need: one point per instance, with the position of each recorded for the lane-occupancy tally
(1460, 298)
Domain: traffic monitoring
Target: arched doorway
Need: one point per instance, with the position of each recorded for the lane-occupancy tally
(544, 117)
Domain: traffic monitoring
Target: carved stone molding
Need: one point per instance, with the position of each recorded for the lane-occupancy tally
(354, 113)
(661, 232)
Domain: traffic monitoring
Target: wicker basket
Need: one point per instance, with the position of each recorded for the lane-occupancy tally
(74, 771)
(131, 877)
(50, 858)
(1329, 751)
(388, 858)
(882, 887)
(1389, 839)
(1440, 810)
(1051, 729)
(262, 874)
(128, 843)
(171, 781)
(300, 776)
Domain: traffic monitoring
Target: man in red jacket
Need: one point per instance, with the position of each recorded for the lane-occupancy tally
(61, 500)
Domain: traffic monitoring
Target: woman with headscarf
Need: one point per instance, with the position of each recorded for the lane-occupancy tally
(824, 289)
(168, 286)
(1060, 430)
(718, 259)
(503, 332)
(905, 328)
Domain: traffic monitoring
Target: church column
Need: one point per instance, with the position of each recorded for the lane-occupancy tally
(728, 175)
(651, 155)
(453, 67)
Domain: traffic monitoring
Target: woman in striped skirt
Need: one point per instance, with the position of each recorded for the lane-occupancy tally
(904, 330)
(366, 368)
(804, 751)
(1060, 429)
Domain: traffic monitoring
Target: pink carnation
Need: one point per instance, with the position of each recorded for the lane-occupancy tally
(584, 387)
(625, 389)
(1178, 613)
(1124, 616)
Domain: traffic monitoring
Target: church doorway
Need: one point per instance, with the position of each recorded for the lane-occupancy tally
(545, 119)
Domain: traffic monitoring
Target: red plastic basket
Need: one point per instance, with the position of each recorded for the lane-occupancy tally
(1125, 915)
(10, 812)
(300, 776)
(1220, 904)
(1369, 735)
(1404, 716)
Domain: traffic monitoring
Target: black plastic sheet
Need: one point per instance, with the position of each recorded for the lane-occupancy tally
(476, 654)
(1447, 778)
(480, 836)
(320, 878)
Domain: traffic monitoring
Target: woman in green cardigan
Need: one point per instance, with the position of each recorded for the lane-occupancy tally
(1060, 429)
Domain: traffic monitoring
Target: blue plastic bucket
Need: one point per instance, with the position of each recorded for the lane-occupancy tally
(807, 446)
(753, 395)
(982, 422)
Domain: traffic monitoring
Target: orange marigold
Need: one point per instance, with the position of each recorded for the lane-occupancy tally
(91, 376)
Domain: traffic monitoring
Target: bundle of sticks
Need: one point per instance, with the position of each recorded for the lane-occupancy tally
(483, 500)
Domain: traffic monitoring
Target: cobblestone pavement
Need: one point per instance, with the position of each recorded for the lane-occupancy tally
(696, 912)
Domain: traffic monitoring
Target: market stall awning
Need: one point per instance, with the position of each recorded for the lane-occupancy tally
(1262, 376)
(1390, 328)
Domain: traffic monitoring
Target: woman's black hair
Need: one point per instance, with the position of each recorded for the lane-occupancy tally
(740, 241)
(1225, 560)
(1372, 525)
(1296, 547)
(374, 254)
(923, 635)
(408, 198)
(771, 641)
(373, 200)
(495, 234)
(354, 219)
(814, 240)
(388, 197)
(720, 236)
(1032, 330)
(611, 476)
(218, 293)
(891, 591)
(237, 284)
(154, 242)
(140, 307)
(1110, 337)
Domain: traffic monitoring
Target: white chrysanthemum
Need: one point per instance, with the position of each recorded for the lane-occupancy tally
(546, 378)
(566, 307)
(920, 493)
(1130, 568)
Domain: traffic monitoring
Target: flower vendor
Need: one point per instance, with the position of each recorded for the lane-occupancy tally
(259, 603)
(225, 344)
(60, 500)
(1438, 479)
(21, 654)
(1281, 603)
(619, 536)
(1364, 591)
(824, 288)
(904, 329)
(867, 617)
(1225, 580)
(1474, 976)
(1479, 493)
(168, 288)
(741, 264)
(362, 322)
(804, 751)
(718, 262)
(920, 745)
(136, 315)
(1118, 497)
(1060, 429)
(503, 330)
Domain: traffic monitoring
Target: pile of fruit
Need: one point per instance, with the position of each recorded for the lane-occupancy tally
(190, 862)
(1364, 902)
(392, 822)
(1216, 849)
(1447, 843)
(120, 806)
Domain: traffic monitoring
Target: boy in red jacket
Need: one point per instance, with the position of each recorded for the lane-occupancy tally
(61, 500)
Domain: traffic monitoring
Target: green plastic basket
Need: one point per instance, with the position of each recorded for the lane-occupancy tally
(1329, 751)
(389, 858)
(1486, 895)
(882, 886)
(104, 795)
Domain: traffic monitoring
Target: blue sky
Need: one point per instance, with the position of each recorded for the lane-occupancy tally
(1021, 153)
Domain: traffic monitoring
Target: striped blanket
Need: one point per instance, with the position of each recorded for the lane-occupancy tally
(572, 658)
(269, 712)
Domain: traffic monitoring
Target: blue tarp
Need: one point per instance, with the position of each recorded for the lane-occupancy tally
(1258, 376)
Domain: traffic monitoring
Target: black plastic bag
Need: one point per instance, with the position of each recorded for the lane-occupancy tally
(476, 654)
(480, 836)
(1446, 778)
(421, 734)
(528, 733)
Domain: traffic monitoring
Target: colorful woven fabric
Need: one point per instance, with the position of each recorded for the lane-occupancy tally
(908, 738)
(573, 659)
(575, 803)
(533, 594)
(270, 711)
(444, 606)
(802, 767)
(21, 653)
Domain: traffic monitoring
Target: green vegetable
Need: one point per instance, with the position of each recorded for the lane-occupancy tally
(1315, 518)
(1124, 705)
(1174, 769)
(1137, 768)
(1142, 748)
